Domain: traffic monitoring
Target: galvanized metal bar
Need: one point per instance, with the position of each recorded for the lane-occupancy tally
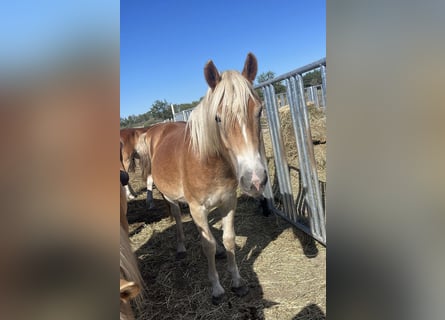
(314, 95)
(301, 135)
(311, 90)
(268, 192)
(297, 125)
(313, 195)
(299, 132)
(317, 101)
(323, 84)
(275, 138)
(300, 226)
(303, 69)
(281, 165)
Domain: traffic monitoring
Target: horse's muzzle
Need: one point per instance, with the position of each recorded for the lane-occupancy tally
(253, 182)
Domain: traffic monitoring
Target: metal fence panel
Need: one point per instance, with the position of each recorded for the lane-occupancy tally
(313, 197)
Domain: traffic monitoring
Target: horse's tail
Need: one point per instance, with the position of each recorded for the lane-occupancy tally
(129, 267)
(132, 160)
(143, 151)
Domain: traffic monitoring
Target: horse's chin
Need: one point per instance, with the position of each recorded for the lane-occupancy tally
(253, 193)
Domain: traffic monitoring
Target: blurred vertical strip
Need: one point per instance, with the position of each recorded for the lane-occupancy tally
(385, 159)
(59, 120)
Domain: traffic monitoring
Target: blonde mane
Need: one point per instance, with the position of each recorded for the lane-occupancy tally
(129, 267)
(229, 101)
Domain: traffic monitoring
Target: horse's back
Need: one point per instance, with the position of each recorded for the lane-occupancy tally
(131, 135)
(165, 136)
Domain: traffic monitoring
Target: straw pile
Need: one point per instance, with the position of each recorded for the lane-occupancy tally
(317, 119)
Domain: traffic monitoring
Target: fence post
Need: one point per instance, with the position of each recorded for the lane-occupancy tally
(323, 85)
(173, 112)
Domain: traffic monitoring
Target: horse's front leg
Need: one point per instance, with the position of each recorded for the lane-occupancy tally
(228, 216)
(199, 214)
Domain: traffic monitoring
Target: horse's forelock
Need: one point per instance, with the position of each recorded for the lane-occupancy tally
(229, 100)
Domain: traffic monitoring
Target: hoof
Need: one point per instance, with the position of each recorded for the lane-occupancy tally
(240, 291)
(218, 300)
(310, 251)
(181, 255)
(150, 205)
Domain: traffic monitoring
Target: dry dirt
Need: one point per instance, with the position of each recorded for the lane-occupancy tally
(284, 269)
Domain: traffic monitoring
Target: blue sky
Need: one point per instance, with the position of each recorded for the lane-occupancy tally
(166, 43)
(34, 32)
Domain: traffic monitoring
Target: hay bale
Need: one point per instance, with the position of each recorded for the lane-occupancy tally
(317, 119)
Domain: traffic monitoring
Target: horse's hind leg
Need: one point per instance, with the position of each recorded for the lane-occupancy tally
(150, 202)
(228, 215)
(176, 213)
(199, 214)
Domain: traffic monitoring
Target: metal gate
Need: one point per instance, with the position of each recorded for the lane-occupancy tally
(310, 191)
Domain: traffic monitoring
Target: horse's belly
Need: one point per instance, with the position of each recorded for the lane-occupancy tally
(166, 175)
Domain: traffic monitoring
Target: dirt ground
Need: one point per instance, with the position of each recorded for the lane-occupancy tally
(284, 269)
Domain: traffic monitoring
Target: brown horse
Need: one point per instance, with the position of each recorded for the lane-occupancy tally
(124, 178)
(203, 161)
(129, 138)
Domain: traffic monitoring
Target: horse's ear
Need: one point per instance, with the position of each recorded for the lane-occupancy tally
(250, 67)
(128, 290)
(211, 74)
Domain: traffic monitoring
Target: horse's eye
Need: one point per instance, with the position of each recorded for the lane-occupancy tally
(218, 118)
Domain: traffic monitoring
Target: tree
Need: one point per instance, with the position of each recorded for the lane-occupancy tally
(161, 110)
(266, 76)
(312, 78)
(186, 106)
(123, 122)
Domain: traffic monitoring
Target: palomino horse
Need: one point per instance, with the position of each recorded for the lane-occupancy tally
(130, 278)
(203, 161)
(129, 138)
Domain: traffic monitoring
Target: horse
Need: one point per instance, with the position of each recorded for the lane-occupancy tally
(131, 284)
(124, 179)
(130, 277)
(129, 138)
(204, 160)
